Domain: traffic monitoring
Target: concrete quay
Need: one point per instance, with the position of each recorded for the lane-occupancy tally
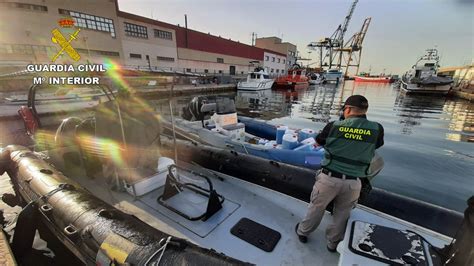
(179, 90)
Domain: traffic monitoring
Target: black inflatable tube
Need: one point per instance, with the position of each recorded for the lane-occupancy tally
(85, 223)
(298, 183)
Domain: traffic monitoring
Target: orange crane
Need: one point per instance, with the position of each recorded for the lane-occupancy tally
(335, 41)
(351, 52)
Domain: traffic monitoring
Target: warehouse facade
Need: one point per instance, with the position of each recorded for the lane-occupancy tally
(133, 41)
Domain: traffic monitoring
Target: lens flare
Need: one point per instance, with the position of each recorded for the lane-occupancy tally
(103, 148)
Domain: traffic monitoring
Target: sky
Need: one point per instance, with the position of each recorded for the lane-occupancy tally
(399, 33)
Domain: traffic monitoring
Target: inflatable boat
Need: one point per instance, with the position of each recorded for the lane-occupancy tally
(224, 129)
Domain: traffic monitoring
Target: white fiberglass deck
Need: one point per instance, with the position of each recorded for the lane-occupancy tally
(272, 209)
(267, 207)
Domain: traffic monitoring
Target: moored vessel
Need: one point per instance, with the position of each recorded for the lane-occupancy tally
(295, 78)
(215, 122)
(333, 75)
(366, 77)
(316, 79)
(423, 78)
(256, 80)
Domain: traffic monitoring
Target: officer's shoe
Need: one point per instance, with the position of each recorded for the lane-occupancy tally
(303, 239)
(332, 247)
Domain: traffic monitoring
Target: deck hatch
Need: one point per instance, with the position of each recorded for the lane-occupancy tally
(385, 244)
(256, 234)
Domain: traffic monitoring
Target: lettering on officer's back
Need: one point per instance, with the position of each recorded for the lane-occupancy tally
(355, 133)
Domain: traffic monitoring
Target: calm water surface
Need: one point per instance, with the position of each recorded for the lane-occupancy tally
(428, 151)
(429, 140)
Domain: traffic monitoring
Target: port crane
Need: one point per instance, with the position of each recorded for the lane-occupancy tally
(331, 44)
(350, 54)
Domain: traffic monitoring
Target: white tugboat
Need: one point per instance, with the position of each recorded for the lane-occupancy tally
(256, 80)
(423, 78)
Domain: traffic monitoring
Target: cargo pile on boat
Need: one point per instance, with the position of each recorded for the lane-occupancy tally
(290, 139)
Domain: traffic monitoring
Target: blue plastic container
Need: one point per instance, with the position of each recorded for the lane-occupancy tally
(289, 142)
(306, 133)
(305, 147)
(280, 131)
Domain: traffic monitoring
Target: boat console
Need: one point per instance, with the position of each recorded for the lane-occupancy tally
(224, 120)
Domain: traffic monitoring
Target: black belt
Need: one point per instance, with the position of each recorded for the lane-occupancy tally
(337, 174)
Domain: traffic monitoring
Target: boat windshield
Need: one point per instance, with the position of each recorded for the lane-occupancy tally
(252, 75)
(266, 76)
(258, 76)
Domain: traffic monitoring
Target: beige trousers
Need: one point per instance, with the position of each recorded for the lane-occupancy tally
(344, 193)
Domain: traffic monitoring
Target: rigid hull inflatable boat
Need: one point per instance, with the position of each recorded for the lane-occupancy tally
(92, 229)
(224, 129)
(213, 210)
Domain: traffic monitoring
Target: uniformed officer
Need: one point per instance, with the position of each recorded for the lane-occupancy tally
(349, 148)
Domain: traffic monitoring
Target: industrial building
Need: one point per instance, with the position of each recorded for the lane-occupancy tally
(276, 44)
(26, 38)
(133, 41)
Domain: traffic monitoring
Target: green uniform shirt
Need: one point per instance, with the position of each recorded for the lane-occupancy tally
(350, 145)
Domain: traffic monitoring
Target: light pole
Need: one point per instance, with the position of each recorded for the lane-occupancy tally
(309, 59)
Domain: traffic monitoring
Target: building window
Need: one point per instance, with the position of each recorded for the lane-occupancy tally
(282, 71)
(136, 56)
(134, 30)
(278, 60)
(220, 60)
(278, 71)
(283, 61)
(90, 22)
(273, 59)
(27, 7)
(97, 52)
(220, 71)
(271, 71)
(162, 58)
(188, 69)
(267, 58)
(241, 72)
(206, 70)
(163, 34)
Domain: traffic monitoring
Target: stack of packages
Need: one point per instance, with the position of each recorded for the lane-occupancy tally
(289, 139)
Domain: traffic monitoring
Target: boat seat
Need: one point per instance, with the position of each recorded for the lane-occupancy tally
(234, 126)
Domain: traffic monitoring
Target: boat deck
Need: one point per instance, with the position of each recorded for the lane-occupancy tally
(274, 210)
(245, 200)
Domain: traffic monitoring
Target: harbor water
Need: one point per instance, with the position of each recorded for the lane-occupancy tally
(428, 151)
(429, 140)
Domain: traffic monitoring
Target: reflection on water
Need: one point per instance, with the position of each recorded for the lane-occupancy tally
(462, 120)
(427, 151)
(411, 109)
